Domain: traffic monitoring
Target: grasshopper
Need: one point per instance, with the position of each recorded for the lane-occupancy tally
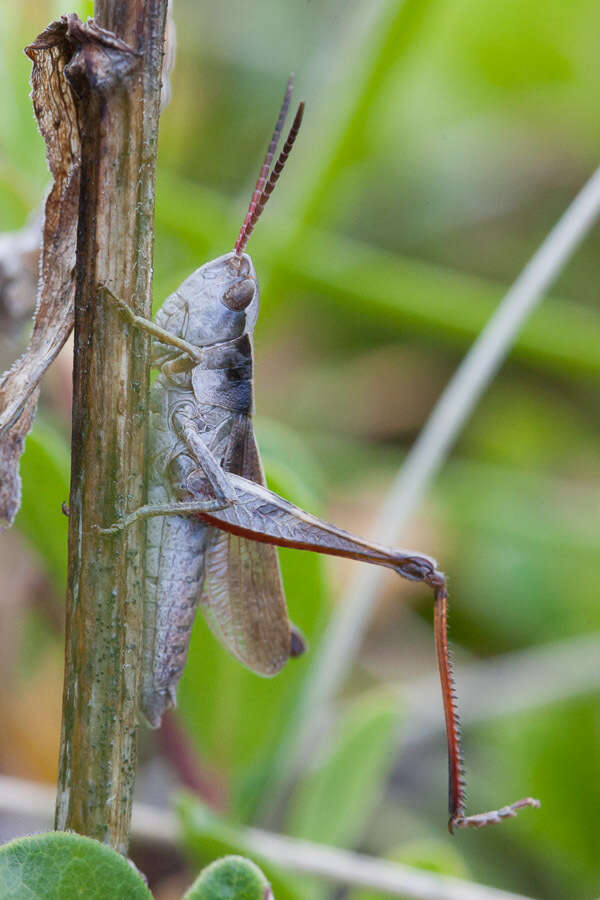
(213, 526)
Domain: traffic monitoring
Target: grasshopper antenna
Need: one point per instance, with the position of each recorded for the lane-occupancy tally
(274, 176)
(262, 177)
(264, 187)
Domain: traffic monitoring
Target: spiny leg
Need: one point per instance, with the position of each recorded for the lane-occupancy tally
(165, 337)
(456, 784)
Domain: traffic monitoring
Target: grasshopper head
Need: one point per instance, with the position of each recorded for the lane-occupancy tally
(216, 303)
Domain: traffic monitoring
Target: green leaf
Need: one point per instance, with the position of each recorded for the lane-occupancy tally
(289, 461)
(45, 476)
(333, 803)
(401, 293)
(61, 866)
(230, 878)
(206, 837)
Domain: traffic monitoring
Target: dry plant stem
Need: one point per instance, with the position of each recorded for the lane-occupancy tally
(115, 76)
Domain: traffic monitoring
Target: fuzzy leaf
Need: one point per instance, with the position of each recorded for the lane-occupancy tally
(230, 878)
(62, 866)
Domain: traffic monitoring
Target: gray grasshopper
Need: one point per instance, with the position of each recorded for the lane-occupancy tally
(213, 525)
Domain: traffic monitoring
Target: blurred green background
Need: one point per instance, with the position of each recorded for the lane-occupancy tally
(442, 140)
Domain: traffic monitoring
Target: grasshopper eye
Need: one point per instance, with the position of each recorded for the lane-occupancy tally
(239, 295)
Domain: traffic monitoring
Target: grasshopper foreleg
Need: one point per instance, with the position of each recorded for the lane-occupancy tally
(181, 508)
(207, 475)
(165, 337)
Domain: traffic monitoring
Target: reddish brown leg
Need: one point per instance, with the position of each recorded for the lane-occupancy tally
(456, 784)
(456, 787)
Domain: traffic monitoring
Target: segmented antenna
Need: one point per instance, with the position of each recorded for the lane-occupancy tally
(274, 176)
(264, 188)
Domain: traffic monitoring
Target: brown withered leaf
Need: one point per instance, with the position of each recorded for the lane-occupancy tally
(53, 319)
(12, 443)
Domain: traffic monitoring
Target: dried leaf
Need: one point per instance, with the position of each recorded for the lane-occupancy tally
(12, 444)
(53, 320)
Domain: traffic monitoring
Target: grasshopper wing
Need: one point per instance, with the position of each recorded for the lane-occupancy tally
(242, 594)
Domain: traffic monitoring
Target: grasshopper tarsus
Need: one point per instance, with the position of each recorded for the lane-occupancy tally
(494, 816)
(115, 528)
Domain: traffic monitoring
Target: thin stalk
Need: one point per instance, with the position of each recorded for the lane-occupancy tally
(359, 870)
(116, 80)
(161, 827)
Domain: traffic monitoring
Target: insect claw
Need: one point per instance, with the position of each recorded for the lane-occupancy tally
(112, 529)
(494, 817)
